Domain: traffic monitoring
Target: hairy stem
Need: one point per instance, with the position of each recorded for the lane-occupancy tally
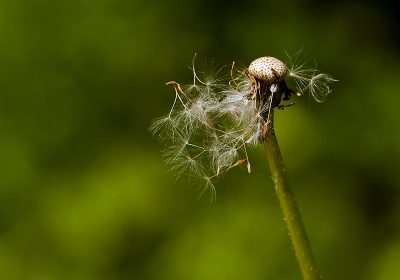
(290, 210)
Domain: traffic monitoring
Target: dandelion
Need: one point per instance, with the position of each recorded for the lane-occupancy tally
(214, 120)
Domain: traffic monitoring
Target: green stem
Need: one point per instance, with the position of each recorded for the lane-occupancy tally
(290, 210)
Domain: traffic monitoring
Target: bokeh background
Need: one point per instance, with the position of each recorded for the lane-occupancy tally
(84, 192)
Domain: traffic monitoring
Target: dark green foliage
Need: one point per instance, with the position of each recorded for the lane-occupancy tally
(85, 194)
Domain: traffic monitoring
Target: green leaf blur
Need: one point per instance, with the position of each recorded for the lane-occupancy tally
(84, 191)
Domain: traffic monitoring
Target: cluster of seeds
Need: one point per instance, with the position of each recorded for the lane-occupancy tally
(215, 119)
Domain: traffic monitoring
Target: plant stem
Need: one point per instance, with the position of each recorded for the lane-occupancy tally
(290, 210)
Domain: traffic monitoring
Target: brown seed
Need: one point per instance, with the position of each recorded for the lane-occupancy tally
(241, 161)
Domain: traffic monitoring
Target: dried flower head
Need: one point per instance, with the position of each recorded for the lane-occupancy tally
(268, 69)
(214, 120)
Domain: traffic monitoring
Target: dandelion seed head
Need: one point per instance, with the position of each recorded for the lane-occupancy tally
(216, 118)
(268, 68)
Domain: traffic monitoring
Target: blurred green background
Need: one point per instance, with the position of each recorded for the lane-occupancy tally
(84, 191)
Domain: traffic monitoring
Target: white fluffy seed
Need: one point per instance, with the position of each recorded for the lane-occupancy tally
(261, 68)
